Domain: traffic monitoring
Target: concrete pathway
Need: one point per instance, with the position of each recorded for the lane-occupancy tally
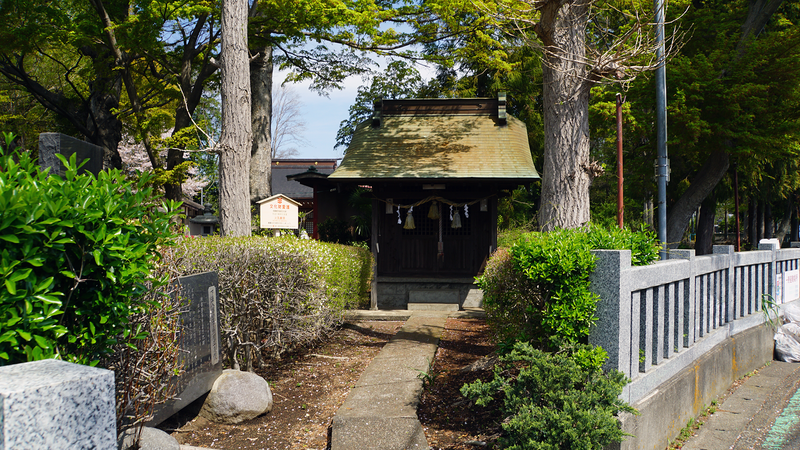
(380, 413)
(747, 418)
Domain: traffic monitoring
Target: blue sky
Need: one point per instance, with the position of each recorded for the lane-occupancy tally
(322, 116)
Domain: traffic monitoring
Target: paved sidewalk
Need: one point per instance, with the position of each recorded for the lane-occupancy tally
(380, 413)
(747, 418)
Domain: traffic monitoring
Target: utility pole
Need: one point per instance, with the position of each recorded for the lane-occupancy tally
(662, 163)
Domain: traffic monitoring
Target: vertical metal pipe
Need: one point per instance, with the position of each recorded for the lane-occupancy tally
(620, 201)
(736, 201)
(661, 127)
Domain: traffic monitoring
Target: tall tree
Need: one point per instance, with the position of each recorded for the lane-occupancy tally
(399, 80)
(117, 62)
(90, 91)
(583, 43)
(288, 126)
(235, 142)
(323, 41)
(261, 68)
(735, 95)
(726, 105)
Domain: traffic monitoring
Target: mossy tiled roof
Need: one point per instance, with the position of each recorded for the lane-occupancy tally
(438, 146)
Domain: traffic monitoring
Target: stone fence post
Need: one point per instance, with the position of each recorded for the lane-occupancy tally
(770, 245)
(54, 404)
(612, 331)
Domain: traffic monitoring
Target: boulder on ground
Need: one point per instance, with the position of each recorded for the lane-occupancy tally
(151, 439)
(237, 396)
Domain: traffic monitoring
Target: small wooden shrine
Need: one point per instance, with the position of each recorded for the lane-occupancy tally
(436, 168)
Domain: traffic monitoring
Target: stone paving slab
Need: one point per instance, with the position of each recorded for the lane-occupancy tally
(390, 400)
(377, 433)
(381, 411)
(396, 370)
(747, 414)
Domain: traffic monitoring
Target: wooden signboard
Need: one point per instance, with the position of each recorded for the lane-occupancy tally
(279, 212)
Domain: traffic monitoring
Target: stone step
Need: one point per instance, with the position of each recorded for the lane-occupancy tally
(433, 306)
(474, 299)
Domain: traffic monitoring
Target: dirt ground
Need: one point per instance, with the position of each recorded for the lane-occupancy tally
(309, 386)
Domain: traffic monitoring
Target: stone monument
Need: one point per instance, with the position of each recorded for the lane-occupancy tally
(52, 144)
(199, 343)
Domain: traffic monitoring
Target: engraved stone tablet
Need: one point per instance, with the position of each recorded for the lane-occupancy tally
(199, 343)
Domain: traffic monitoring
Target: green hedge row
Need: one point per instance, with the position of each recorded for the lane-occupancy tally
(539, 304)
(538, 289)
(276, 293)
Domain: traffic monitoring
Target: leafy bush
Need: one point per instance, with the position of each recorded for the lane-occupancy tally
(538, 290)
(334, 230)
(146, 363)
(552, 402)
(276, 293)
(76, 252)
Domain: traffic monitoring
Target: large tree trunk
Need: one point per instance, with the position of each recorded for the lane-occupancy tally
(759, 222)
(783, 227)
(235, 141)
(261, 109)
(566, 174)
(105, 129)
(705, 226)
(702, 185)
(758, 14)
(794, 232)
(752, 222)
(769, 221)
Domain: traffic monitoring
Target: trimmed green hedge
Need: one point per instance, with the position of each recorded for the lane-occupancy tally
(538, 290)
(540, 307)
(276, 294)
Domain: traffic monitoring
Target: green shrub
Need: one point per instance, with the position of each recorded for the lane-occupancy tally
(538, 291)
(334, 230)
(552, 402)
(75, 252)
(146, 363)
(276, 294)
